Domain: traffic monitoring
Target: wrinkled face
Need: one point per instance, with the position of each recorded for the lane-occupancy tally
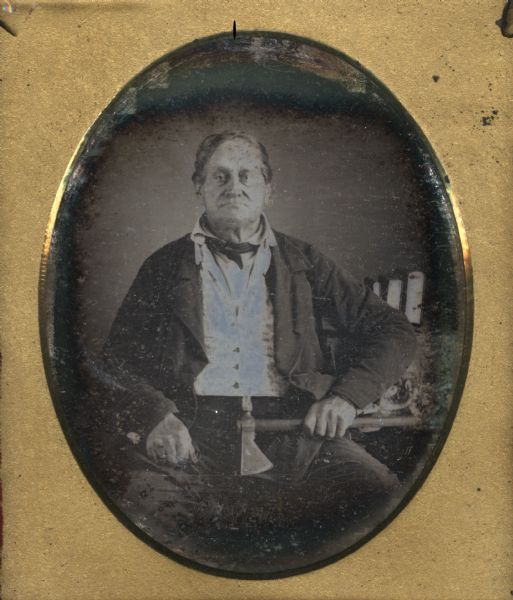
(234, 190)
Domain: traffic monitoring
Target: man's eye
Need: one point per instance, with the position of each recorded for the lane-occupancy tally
(220, 178)
(244, 177)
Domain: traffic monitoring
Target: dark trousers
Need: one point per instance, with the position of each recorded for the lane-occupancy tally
(313, 482)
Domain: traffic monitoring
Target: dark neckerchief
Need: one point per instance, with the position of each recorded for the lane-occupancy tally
(231, 250)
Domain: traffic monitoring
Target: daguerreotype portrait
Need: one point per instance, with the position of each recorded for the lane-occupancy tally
(255, 308)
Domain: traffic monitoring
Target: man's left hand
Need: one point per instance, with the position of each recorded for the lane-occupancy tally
(330, 417)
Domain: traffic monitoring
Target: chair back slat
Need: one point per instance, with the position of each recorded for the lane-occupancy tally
(395, 287)
(414, 292)
(404, 293)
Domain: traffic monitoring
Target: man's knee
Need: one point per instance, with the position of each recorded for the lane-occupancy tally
(349, 463)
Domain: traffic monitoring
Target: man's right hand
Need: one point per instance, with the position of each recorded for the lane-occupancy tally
(170, 442)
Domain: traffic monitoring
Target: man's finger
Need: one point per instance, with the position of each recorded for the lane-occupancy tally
(153, 446)
(160, 448)
(170, 450)
(341, 427)
(320, 426)
(183, 449)
(310, 421)
(332, 425)
(193, 454)
(150, 451)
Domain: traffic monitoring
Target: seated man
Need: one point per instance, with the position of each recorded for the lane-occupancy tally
(229, 319)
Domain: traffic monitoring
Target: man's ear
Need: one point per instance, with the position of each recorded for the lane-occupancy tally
(268, 201)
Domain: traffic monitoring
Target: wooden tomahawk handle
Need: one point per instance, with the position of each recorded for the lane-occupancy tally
(358, 423)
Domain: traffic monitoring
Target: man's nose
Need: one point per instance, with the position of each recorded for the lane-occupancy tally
(234, 186)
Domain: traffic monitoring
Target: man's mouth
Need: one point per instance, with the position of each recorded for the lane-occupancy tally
(232, 204)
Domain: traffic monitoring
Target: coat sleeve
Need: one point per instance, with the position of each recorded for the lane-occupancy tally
(380, 341)
(131, 357)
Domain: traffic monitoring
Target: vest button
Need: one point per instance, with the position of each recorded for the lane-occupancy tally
(236, 385)
(236, 349)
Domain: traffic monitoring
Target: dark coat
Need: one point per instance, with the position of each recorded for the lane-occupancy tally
(156, 347)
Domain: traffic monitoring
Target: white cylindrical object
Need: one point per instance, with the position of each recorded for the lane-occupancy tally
(414, 293)
(395, 287)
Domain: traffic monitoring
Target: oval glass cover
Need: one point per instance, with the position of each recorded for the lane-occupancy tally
(261, 409)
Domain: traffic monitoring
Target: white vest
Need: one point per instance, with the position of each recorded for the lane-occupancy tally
(238, 326)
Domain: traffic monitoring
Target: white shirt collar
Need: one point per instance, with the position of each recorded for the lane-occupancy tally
(263, 236)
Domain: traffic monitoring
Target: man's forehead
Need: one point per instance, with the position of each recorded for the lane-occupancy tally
(236, 152)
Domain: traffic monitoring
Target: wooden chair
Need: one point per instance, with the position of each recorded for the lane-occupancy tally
(404, 404)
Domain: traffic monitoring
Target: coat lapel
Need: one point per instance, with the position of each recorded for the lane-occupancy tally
(185, 297)
(289, 291)
(291, 298)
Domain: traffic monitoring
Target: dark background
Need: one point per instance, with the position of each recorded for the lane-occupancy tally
(343, 182)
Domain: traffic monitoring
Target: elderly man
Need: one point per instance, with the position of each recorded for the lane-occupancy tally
(231, 314)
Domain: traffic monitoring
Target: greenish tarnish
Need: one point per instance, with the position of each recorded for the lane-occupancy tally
(272, 71)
